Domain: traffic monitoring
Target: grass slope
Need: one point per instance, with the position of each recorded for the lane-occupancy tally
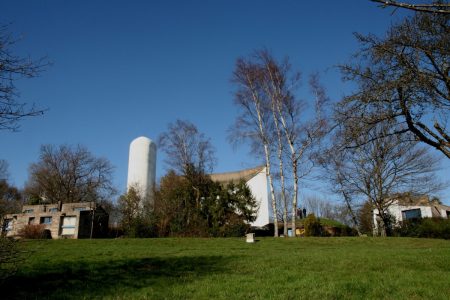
(306, 268)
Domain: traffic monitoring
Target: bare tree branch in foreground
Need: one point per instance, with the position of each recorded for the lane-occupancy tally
(435, 7)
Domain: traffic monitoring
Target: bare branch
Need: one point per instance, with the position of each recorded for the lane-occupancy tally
(437, 7)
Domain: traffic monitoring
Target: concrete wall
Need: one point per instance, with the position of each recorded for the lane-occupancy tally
(142, 166)
(258, 186)
(396, 210)
(35, 214)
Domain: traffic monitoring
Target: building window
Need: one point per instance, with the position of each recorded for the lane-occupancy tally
(28, 211)
(80, 208)
(68, 225)
(54, 209)
(412, 214)
(46, 220)
(30, 220)
(8, 224)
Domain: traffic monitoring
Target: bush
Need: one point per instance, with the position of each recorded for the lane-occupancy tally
(424, 228)
(36, 231)
(312, 226)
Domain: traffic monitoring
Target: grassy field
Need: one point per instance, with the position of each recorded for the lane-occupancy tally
(302, 268)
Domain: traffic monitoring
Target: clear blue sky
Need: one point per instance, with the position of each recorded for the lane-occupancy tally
(122, 69)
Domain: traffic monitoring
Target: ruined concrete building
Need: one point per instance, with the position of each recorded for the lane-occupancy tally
(67, 220)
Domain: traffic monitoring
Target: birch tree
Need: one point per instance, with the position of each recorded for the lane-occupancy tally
(291, 116)
(282, 123)
(253, 124)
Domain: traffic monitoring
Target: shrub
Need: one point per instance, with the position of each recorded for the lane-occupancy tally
(312, 226)
(36, 231)
(424, 228)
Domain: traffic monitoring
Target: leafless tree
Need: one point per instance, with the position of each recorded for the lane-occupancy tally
(254, 125)
(379, 168)
(12, 68)
(3, 169)
(69, 174)
(437, 7)
(299, 132)
(186, 147)
(284, 207)
(333, 162)
(11, 199)
(319, 207)
(275, 120)
(403, 79)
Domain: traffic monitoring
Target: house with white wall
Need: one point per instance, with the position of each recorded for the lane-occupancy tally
(256, 180)
(407, 206)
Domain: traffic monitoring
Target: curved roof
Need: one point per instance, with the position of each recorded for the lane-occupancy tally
(237, 176)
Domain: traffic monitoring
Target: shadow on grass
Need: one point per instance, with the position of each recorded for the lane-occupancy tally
(116, 278)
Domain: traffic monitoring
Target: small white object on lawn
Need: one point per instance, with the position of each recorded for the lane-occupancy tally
(250, 238)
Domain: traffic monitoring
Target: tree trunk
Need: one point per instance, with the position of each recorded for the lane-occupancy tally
(272, 192)
(351, 212)
(294, 198)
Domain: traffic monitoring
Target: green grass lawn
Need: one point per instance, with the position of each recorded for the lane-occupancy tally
(301, 268)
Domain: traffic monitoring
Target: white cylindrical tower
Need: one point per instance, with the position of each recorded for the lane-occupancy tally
(142, 166)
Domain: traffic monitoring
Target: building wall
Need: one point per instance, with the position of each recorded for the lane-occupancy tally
(35, 214)
(258, 187)
(396, 210)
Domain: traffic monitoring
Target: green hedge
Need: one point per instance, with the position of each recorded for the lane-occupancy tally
(424, 228)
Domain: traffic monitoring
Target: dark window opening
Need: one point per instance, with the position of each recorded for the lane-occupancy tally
(412, 214)
(46, 220)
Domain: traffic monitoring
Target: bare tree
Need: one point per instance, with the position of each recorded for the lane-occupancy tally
(253, 125)
(439, 7)
(300, 133)
(403, 79)
(69, 174)
(275, 120)
(3, 169)
(333, 163)
(186, 147)
(379, 168)
(12, 68)
(10, 197)
(319, 207)
(284, 207)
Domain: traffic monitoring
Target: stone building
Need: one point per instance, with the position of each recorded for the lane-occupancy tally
(67, 220)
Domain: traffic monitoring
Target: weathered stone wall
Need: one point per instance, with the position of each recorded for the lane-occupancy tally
(36, 214)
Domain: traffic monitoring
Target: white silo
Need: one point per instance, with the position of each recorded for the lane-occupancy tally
(142, 166)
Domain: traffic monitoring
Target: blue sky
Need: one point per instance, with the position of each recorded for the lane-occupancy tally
(122, 69)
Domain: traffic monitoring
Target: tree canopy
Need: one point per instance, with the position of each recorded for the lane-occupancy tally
(185, 147)
(69, 174)
(12, 68)
(404, 79)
